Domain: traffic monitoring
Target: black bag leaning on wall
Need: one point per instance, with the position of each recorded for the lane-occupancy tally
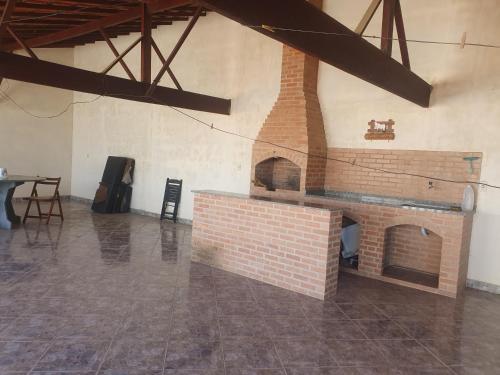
(113, 194)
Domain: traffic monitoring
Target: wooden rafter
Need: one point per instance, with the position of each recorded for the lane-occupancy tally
(115, 52)
(175, 50)
(6, 16)
(71, 31)
(122, 55)
(162, 59)
(392, 9)
(387, 26)
(341, 48)
(21, 43)
(146, 43)
(367, 17)
(45, 73)
(400, 28)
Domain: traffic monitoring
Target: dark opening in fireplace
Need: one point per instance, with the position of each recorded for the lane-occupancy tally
(277, 173)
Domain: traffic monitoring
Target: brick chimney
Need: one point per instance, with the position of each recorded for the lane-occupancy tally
(295, 122)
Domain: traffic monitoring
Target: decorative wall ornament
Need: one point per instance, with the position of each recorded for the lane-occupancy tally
(380, 130)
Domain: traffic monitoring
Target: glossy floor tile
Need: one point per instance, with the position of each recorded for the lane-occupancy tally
(118, 294)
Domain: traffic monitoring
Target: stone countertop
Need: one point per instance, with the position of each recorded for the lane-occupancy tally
(268, 199)
(396, 202)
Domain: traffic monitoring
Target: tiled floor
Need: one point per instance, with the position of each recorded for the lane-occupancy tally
(118, 295)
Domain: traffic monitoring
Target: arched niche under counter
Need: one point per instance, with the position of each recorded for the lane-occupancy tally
(412, 253)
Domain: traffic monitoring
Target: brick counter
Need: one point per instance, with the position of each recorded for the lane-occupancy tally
(284, 243)
(454, 229)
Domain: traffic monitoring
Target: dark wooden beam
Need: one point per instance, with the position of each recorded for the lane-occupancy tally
(4, 19)
(175, 50)
(400, 28)
(162, 59)
(115, 52)
(112, 20)
(387, 26)
(21, 42)
(348, 52)
(146, 44)
(367, 17)
(8, 9)
(121, 55)
(45, 73)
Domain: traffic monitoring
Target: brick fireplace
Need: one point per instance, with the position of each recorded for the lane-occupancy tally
(278, 173)
(295, 122)
(399, 243)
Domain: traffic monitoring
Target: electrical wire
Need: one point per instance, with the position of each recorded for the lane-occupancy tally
(273, 28)
(66, 109)
(283, 147)
(353, 163)
(353, 35)
(12, 21)
(212, 127)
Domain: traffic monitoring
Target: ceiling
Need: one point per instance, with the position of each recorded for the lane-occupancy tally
(35, 18)
(26, 24)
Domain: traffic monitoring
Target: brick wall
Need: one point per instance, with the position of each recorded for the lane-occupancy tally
(448, 165)
(290, 246)
(406, 247)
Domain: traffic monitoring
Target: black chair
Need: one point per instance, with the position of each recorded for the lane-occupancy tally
(171, 200)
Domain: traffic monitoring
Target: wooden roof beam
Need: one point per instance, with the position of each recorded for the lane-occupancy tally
(389, 9)
(86, 28)
(115, 52)
(347, 51)
(163, 61)
(5, 18)
(146, 25)
(367, 17)
(175, 50)
(21, 43)
(45, 73)
(400, 28)
(122, 55)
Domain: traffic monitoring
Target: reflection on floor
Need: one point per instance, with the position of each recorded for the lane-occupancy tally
(118, 295)
(412, 276)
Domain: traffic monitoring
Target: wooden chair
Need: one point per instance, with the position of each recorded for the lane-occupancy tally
(171, 199)
(38, 199)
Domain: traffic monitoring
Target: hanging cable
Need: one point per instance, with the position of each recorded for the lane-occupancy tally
(72, 11)
(220, 130)
(66, 109)
(353, 35)
(353, 163)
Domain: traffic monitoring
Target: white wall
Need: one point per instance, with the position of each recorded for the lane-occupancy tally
(224, 59)
(464, 113)
(33, 146)
(219, 58)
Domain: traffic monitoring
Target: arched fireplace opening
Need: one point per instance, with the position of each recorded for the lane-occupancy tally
(277, 173)
(412, 253)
